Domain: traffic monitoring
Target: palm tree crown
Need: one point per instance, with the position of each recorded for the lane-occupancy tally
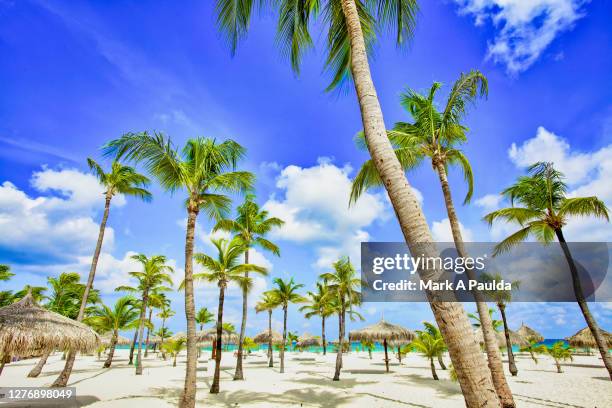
(121, 179)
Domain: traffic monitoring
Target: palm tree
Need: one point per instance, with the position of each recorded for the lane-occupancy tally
(157, 300)
(560, 352)
(223, 269)
(283, 294)
(174, 348)
(351, 33)
(368, 345)
(5, 272)
(6, 296)
(164, 315)
(121, 179)
(268, 303)
(434, 332)
(430, 346)
(543, 210)
(204, 169)
(123, 316)
(534, 348)
(319, 304)
(37, 293)
(343, 284)
(251, 226)
(437, 136)
(155, 273)
(497, 324)
(502, 298)
(203, 317)
(292, 339)
(163, 333)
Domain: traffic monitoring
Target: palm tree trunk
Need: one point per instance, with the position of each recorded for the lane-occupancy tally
(174, 360)
(341, 317)
(584, 307)
(441, 362)
(491, 347)
(189, 391)
(558, 366)
(148, 332)
(214, 388)
(111, 351)
(35, 372)
(270, 352)
(433, 369)
(468, 361)
(133, 347)
(386, 355)
(239, 375)
(5, 359)
(511, 363)
(143, 312)
(282, 350)
(62, 379)
(323, 335)
(161, 340)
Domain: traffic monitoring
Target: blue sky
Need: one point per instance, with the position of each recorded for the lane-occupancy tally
(77, 74)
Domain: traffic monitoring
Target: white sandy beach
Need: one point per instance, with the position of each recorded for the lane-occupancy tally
(307, 382)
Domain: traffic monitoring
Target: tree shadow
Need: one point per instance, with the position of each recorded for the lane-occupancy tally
(546, 402)
(310, 397)
(444, 388)
(344, 383)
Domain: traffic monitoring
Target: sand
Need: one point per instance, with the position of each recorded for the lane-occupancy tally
(307, 382)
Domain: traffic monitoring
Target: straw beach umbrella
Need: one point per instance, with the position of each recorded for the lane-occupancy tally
(529, 334)
(210, 335)
(106, 339)
(515, 338)
(262, 338)
(27, 329)
(382, 332)
(307, 340)
(584, 339)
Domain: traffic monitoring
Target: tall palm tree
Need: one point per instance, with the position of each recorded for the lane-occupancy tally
(203, 317)
(121, 179)
(157, 300)
(251, 226)
(501, 298)
(5, 272)
(284, 294)
(542, 210)
(223, 269)
(319, 304)
(204, 169)
(437, 136)
(351, 34)
(155, 273)
(123, 316)
(344, 284)
(268, 303)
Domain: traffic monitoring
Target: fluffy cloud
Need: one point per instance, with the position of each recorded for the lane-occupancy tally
(54, 226)
(441, 231)
(315, 208)
(525, 28)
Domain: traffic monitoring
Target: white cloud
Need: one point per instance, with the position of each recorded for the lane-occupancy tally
(489, 202)
(441, 231)
(525, 28)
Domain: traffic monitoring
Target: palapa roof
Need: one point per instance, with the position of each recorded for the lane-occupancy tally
(584, 338)
(307, 340)
(264, 338)
(382, 331)
(106, 339)
(528, 334)
(515, 338)
(29, 329)
(210, 335)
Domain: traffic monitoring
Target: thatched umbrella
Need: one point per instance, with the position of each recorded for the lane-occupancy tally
(529, 334)
(263, 338)
(306, 340)
(210, 335)
(382, 332)
(515, 338)
(105, 339)
(179, 335)
(28, 329)
(584, 339)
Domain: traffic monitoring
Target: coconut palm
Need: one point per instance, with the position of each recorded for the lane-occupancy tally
(430, 346)
(157, 300)
(163, 333)
(434, 332)
(123, 180)
(36, 291)
(155, 273)
(268, 303)
(174, 348)
(5, 272)
(542, 209)
(560, 352)
(203, 317)
(204, 169)
(319, 304)
(123, 316)
(292, 339)
(164, 315)
(497, 324)
(502, 298)
(343, 284)
(223, 269)
(6, 296)
(284, 294)
(534, 348)
(251, 225)
(351, 33)
(368, 345)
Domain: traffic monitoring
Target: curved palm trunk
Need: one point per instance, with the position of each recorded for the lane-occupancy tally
(386, 355)
(341, 317)
(62, 379)
(511, 363)
(584, 307)
(148, 332)
(214, 388)
(433, 369)
(270, 351)
(189, 391)
(239, 375)
(323, 335)
(111, 351)
(473, 376)
(558, 366)
(282, 349)
(441, 362)
(143, 312)
(491, 347)
(133, 347)
(35, 372)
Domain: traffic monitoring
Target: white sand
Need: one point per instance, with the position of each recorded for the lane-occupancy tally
(307, 382)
